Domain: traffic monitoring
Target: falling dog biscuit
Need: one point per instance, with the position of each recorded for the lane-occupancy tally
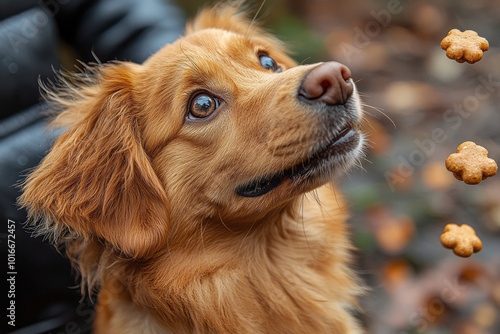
(464, 46)
(463, 240)
(471, 163)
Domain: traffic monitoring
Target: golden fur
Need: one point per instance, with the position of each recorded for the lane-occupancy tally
(144, 200)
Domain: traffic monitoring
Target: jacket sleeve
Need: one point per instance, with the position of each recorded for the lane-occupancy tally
(117, 29)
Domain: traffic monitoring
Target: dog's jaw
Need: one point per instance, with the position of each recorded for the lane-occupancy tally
(331, 156)
(340, 152)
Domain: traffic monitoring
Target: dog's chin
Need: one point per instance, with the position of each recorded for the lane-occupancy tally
(333, 156)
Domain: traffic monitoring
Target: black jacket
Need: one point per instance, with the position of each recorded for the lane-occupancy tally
(34, 35)
(31, 31)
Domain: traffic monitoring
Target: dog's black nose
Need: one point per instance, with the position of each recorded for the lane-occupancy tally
(329, 82)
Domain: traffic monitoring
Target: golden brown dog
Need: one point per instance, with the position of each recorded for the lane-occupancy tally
(189, 190)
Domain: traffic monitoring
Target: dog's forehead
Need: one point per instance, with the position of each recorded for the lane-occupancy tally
(219, 49)
(213, 58)
(226, 44)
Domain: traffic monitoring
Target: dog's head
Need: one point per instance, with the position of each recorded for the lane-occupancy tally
(219, 126)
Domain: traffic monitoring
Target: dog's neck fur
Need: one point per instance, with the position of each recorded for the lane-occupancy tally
(281, 283)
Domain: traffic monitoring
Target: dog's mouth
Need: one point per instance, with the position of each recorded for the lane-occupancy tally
(323, 160)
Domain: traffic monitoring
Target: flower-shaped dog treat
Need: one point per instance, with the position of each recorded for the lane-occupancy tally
(463, 240)
(471, 163)
(464, 46)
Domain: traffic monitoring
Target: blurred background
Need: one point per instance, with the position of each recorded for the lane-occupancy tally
(420, 106)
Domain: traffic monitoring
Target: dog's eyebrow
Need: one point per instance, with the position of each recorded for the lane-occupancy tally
(194, 66)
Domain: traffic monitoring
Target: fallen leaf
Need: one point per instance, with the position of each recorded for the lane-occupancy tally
(485, 315)
(436, 177)
(395, 273)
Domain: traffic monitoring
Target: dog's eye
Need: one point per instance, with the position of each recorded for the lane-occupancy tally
(268, 63)
(203, 105)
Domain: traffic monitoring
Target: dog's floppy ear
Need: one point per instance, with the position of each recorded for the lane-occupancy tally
(97, 181)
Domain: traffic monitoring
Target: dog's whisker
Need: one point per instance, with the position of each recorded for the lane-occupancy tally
(303, 61)
(316, 197)
(365, 122)
(341, 207)
(369, 143)
(255, 17)
(222, 221)
(367, 160)
(301, 210)
(242, 243)
(381, 112)
(370, 106)
(202, 228)
(302, 198)
(360, 166)
(95, 57)
(322, 206)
